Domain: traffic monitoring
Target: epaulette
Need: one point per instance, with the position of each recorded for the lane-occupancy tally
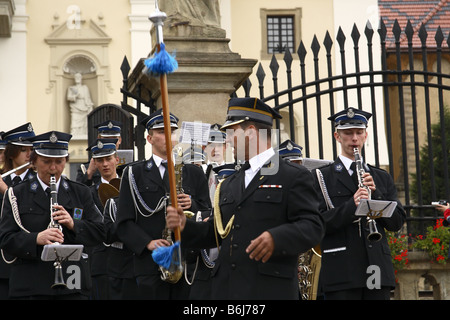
(292, 164)
(376, 168)
(325, 165)
(123, 166)
(65, 183)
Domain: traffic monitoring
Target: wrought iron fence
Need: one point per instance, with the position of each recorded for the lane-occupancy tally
(402, 111)
(400, 81)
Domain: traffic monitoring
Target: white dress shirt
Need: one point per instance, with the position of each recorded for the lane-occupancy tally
(256, 164)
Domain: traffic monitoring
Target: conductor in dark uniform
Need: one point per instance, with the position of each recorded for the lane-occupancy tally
(141, 212)
(265, 215)
(24, 227)
(347, 253)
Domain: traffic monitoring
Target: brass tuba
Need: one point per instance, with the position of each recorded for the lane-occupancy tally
(309, 264)
(374, 235)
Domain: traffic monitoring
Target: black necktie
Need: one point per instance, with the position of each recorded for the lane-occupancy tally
(244, 167)
(355, 174)
(48, 191)
(16, 181)
(166, 176)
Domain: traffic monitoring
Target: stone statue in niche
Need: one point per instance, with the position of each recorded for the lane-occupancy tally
(81, 105)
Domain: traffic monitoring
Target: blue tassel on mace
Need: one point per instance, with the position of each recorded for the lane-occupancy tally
(163, 255)
(161, 62)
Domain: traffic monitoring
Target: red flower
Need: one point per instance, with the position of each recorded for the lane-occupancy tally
(398, 258)
(436, 240)
(438, 223)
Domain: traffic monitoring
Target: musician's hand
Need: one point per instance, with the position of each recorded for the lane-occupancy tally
(262, 247)
(91, 169)
(154, 244)
(62, 217)
(361, 193)
(175, 218)
(48, 236)
(184, 201)
(368, 182)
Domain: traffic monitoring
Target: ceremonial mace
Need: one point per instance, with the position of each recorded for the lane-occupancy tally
(160, 64)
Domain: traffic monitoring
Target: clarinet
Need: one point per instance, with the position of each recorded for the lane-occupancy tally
(59, 279)
(53, 201)
(374, 235)
(360, 171)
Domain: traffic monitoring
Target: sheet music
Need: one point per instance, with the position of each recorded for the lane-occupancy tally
(71, 252)
(377, 208)
(195, 133)
(125, 156)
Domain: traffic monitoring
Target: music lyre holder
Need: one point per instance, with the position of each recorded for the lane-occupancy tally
(373, 214)
(374, 209)
(58, 253)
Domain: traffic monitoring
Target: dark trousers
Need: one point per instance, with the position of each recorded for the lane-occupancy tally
(4, 289)
(100, 286)
(123, 289)
(359, 294)
(151, 287)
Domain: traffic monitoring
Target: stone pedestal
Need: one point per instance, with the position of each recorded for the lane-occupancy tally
(420, 266)
(208, 72)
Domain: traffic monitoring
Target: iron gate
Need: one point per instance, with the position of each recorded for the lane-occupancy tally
(400, 81)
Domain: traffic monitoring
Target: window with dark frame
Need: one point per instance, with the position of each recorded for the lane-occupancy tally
(280, 34)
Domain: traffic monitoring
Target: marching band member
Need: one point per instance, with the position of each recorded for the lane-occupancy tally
(111, 263)
(17, 150)
(215, 150)
(17, 154)
(290, 151)
(346, 246)
(203, 260)
(105, 159)
(141, 211)
(109, 129)
(24, 227)
(265, 215)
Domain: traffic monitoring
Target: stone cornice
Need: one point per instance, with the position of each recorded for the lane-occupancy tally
(7, 9)
(92, 34)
